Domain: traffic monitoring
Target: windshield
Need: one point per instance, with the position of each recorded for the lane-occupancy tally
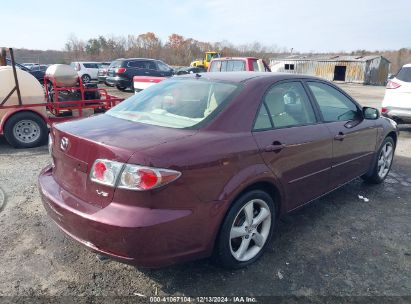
(175, 103)
(404, 74)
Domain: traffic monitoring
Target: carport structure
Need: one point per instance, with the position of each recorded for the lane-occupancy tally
(354, 69)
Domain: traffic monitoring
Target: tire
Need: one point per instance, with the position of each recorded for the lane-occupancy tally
(121, 88)
(228, 251)
(26, 130)
(86, 78)
(377, 174)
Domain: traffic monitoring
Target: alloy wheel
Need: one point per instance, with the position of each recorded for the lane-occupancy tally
(250, 230)
(385, 159)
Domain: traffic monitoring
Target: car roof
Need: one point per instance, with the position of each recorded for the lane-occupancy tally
(408, 65)
(246, 76)
(124, 59)
(234, 58)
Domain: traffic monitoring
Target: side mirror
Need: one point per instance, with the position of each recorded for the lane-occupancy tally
(370, 113)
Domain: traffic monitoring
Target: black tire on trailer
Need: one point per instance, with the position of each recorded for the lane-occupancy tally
(25, 130)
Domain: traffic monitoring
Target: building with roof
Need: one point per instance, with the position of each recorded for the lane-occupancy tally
(356, 69)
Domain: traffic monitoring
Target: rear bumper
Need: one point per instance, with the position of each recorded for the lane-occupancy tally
(400, 115)
(118, 81)
(102, 78)
(135, 235)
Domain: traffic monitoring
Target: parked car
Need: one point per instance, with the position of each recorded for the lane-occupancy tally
(29, 65)
(39, 67)
(86, 70)
(199, 165)
(122, 71)
(102, 71)
(38, 74)
(237, 64)
(397, 99)
(143, 82)
(190, 70)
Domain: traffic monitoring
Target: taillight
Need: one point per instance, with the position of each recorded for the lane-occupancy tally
(392, 85)
(105, 172)
(384, 110)
(120, 70)
(132, 177)
(140, 178)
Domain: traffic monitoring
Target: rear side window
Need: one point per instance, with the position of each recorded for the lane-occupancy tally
(288, 105)
(91, 65)
(263, 119)
(334, 105)
(150, 65)
(136, 64)
(404, 74)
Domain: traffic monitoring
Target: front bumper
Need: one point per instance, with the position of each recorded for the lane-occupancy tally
(135, 235)
(400, 115)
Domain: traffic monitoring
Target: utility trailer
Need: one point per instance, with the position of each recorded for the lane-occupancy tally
(24, 119)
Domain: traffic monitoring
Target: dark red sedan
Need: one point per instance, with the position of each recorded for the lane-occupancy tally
(205, 164)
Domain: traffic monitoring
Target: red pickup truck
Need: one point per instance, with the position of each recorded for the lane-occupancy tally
(236, 64)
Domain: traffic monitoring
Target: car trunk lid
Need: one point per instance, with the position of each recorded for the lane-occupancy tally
(78, 144)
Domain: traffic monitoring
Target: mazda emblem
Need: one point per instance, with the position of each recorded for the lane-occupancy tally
(64, 143)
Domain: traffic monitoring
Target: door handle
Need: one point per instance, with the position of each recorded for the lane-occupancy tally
(339, 136)
(275, 147)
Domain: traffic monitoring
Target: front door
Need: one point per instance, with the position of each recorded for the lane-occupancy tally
(354, 138)
(293, 144)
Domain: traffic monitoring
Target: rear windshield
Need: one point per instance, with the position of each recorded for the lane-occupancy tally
(176, 103)
(116, 64)
(227, 66)
(404, 74)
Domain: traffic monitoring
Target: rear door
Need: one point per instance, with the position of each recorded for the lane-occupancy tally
(354, 138)
(91, 69)
(296, 147)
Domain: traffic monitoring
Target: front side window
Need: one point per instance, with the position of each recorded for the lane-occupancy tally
(288, 105)
(176, 103)
(163, 67)
(334, 105)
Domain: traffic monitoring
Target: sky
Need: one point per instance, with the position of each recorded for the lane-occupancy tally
(305, 26)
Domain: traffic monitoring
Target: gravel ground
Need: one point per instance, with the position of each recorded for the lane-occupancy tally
(339, 245)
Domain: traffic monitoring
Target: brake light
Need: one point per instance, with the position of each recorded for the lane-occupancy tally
(392, 85)
(105, 172)
(120, 70)
(131, 177)
(140, 178)
(384, 110)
